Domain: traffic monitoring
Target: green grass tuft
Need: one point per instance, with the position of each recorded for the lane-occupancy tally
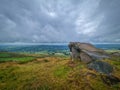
(62, 71)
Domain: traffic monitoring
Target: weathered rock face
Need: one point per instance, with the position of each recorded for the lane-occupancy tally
(85, 58)
(101, 67)
(86, 52)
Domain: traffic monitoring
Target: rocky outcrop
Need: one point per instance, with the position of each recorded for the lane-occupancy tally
(91, 55)
(94, 57)
(101, 67)
(86, 52)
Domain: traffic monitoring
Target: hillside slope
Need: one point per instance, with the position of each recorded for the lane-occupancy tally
(53, 73)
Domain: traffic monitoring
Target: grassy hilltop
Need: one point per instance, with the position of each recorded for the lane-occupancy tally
(50, 72)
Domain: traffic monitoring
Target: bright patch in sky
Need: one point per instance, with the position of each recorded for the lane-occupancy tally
(52, 14)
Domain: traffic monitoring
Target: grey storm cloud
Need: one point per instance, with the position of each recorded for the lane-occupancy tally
(37, 21)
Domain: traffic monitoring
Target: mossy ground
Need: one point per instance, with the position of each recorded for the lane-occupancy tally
(45, 72)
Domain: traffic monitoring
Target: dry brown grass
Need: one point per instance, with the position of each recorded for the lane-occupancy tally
(50, 73)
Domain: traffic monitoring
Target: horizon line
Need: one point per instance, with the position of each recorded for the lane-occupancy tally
(46, 43)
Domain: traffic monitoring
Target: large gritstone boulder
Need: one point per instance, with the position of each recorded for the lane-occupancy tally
(86, 52)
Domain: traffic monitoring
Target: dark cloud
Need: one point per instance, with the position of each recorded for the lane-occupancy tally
(60, 21)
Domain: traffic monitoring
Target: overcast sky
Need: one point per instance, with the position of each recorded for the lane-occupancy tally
(34, 21)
